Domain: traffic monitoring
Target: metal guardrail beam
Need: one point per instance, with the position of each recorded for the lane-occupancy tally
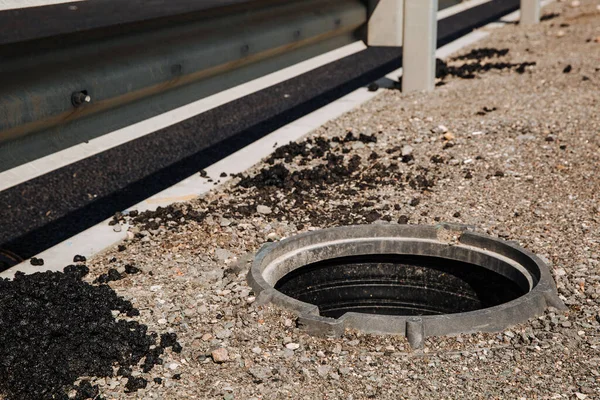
(20, 25)
(132, 77)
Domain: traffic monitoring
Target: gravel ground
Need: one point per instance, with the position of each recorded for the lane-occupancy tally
(504, 145)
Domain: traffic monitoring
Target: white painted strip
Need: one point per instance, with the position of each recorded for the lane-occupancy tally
(100, 237)
(460, 8)
(33, 169)
(15, 4)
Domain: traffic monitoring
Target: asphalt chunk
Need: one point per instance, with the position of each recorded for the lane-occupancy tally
(56, 328)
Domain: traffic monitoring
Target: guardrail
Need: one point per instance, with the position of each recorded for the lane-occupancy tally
(75, 71)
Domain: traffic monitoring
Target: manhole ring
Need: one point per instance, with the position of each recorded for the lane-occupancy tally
(410, 280)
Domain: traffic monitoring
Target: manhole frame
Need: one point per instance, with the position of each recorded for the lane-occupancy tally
(442, 240)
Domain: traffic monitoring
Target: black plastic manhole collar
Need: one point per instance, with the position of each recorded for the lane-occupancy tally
(411, 280)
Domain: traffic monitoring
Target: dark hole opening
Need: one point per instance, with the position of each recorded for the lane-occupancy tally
(397, 285)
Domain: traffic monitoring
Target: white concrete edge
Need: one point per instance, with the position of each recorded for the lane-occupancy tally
(41, 166)
(102, 236)
(460, 8)
(15, 4)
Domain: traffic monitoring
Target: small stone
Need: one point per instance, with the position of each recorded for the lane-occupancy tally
(260, 373)
(79, 258)
(292, 346)
(560, 272)
(251, 299)
(567, 69)
(162, 321)
(223, 334)
(225, 222)
(525, 138)
(499, 174)
(220, 355)
(560, 33)
(415, 202)
(206, 337)
(449, 136)
(263, 210)
(575, 3)
(442, 129)
(407, 151)
(173, 366)
(580, 396)
(273, 236)
(323, 370)
(117, 228)
(566, 324)
(256, 350)
(223, 254)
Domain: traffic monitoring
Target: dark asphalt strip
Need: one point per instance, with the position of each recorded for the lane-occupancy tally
(42, 212)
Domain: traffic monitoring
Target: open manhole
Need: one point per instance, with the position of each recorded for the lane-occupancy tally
(413, 280)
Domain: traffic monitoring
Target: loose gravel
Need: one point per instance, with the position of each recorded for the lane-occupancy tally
(512, 152)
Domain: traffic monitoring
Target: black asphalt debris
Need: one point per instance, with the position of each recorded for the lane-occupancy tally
(373, 87)
(56, 328)
(478, 63)
(549, 16)
(36, 261)
(131, 270)
(479, 54)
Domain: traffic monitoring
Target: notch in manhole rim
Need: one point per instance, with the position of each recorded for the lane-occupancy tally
(444, 241)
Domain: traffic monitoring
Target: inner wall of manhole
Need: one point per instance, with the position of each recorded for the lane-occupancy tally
(412, 280)
(391, 284)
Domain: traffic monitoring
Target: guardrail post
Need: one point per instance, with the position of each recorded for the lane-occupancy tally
(420, 42)
(530, 12)
(385, 23)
